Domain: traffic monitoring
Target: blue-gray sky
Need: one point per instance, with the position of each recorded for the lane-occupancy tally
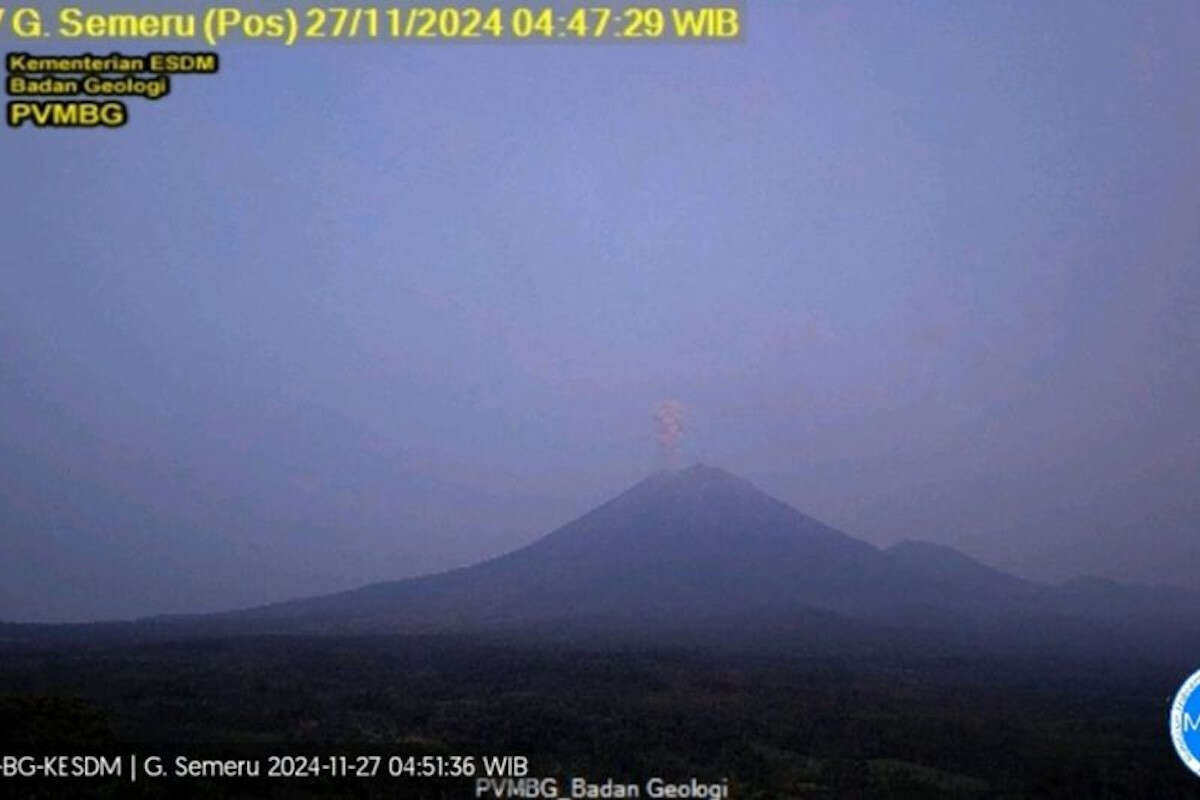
(348, 312)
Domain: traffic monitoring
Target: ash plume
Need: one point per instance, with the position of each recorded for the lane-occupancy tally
(669, 418)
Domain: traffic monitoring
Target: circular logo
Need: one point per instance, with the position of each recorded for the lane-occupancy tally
(1185, 722)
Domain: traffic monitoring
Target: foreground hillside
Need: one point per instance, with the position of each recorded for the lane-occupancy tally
(918, 725)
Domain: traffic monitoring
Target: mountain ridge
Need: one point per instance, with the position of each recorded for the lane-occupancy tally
(702, 551)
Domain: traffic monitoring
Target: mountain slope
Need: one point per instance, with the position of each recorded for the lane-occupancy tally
(692, 548)
(697, 550)
(702, 552)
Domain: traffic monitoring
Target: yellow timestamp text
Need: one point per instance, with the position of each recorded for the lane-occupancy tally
(292, 24)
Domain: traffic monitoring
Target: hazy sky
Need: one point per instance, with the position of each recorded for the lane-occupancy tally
(342, 313)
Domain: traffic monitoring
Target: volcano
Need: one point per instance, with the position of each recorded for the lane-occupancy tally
(700, 552)
(697, 550)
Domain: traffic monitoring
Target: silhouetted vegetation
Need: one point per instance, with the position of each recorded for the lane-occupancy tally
(777, 725)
